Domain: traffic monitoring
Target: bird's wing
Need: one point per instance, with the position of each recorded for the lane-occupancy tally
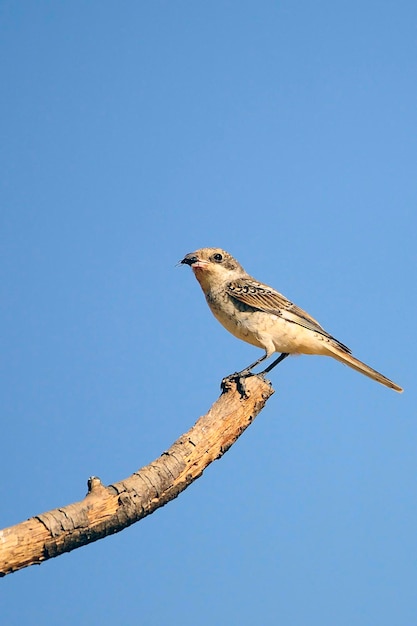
(264, 298)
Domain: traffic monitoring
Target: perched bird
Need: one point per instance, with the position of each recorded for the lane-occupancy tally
(261, 316)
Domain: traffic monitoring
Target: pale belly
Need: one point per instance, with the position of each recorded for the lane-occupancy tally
(270, 332)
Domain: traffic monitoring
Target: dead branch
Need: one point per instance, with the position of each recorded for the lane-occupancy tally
(108, 510)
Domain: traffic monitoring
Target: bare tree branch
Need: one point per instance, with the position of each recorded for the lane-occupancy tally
(108, 510)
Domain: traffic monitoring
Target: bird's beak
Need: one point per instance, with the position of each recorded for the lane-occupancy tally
(189, 259)
(194, 262)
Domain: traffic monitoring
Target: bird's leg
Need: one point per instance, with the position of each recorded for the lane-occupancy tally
(278, 360)
(239, 376)
(247, 370)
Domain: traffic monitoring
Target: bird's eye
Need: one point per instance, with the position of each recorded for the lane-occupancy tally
(218, 257)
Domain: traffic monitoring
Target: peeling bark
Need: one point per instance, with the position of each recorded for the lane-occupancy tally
(108, 510)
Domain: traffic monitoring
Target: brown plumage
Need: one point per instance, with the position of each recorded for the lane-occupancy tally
(261, 316)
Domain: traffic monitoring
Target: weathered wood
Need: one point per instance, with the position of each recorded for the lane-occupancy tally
(108, 510)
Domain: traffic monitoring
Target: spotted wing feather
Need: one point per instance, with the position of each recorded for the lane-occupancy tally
(264, 298)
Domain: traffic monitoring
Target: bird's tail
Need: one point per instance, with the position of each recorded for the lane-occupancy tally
(348, 359)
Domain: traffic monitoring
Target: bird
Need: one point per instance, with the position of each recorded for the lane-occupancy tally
(258, 314)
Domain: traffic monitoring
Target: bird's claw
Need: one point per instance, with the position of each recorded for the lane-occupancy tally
(239, 379)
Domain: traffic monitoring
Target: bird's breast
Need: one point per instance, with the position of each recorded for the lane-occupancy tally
(238, 318)
(270, 331)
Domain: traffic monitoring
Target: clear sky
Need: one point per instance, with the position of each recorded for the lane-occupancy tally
(131, 134)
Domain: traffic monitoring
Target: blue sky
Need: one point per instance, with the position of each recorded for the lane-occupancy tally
(132, 134)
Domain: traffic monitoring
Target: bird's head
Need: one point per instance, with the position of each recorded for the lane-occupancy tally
(212, 266)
